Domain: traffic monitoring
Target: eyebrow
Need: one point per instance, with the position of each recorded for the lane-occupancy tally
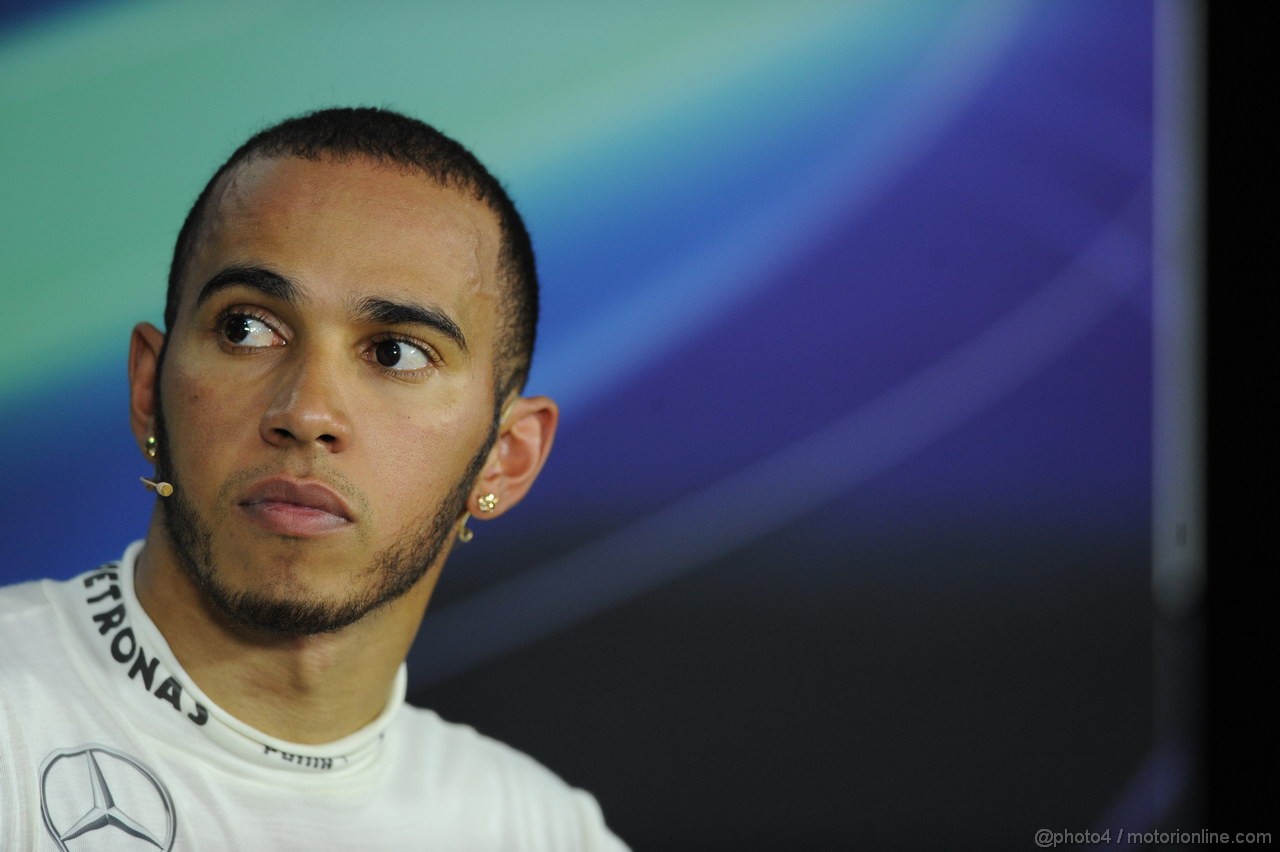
(387, 312)
(259, 278)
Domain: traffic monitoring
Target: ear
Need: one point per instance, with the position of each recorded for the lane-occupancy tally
(144, 362)
(524, 442)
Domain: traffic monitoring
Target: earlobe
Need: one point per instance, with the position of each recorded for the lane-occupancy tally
(524, 441)
(145, 347)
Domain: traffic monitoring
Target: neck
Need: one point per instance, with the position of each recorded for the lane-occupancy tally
(303, 689)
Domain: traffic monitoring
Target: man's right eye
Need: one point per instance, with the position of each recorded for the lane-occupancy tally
(246, 330)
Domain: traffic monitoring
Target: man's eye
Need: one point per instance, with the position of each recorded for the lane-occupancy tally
(400, 355)
(244, 330)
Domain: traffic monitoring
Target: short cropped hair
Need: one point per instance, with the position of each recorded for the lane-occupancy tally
(388, 137)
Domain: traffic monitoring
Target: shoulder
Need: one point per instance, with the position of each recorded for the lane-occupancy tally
(462, 746)
(487, 779)
(27, 618)
(461, 753)
(34, 598)
(37, 639)
(31, 611)
(20, 599)
(33, 640)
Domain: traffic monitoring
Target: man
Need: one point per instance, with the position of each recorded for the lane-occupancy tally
(350, 320)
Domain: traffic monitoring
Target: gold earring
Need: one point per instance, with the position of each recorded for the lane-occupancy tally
(487, 502)
(465, 535)
(164, 489)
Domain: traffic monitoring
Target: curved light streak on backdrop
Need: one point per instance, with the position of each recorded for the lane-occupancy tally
(665, 169)
(801, 477)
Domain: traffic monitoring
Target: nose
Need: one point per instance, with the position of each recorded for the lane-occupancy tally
(307, 406)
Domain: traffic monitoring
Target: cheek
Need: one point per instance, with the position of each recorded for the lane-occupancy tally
(418, 462)
(204, 418)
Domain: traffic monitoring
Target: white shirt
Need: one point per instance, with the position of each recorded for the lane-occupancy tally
(106, 743)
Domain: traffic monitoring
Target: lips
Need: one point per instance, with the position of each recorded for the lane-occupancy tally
(290, 507)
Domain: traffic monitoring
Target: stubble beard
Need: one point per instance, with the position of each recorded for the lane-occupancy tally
(395, 570)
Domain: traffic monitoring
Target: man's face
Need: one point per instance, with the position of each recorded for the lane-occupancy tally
(326, 396)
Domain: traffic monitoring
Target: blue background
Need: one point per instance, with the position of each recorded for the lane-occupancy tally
(846, 539)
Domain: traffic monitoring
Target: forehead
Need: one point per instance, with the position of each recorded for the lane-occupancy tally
(351, 228)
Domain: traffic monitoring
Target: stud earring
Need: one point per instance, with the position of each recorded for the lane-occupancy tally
(164, 489)
(487, 502)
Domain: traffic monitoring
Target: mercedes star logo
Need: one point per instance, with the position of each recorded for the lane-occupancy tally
(93, 788)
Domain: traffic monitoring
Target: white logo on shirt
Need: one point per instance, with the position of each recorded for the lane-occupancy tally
(93, 788)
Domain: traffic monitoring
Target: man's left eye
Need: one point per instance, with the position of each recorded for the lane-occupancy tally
(400, 355)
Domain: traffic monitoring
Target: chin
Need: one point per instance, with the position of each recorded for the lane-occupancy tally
(299, 586)
(284, 616)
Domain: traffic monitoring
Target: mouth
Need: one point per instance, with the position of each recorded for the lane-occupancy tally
(294, 508)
